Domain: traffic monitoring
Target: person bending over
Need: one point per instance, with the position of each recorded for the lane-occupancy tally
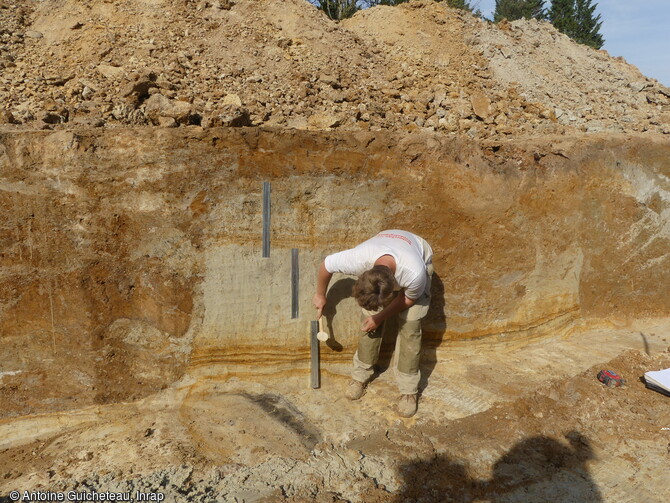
(394, 270)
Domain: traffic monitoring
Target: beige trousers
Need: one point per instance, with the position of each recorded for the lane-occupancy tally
(407, 352)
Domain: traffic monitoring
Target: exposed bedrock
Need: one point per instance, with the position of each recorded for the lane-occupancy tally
(130, 256)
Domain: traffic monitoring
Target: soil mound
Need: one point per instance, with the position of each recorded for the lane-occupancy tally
(284, 63)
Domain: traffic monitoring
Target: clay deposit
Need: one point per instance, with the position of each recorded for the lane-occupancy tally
(147, 345)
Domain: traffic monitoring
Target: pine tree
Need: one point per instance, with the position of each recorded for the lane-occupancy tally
(459, 4)
(517, 9)
(562, 16)
(588, 26)
(576, 19)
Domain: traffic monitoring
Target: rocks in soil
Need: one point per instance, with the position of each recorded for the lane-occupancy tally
(229, 115)
(282, 62)
(158, 108)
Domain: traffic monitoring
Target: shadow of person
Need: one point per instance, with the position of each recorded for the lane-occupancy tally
(537, 469)
(544, 469)
(434, 326)
(339, 290)
(440, 479)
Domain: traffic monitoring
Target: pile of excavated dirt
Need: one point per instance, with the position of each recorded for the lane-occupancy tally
(284, 63)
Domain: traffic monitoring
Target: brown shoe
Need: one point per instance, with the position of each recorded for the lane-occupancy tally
(354, 390)
(407, 405)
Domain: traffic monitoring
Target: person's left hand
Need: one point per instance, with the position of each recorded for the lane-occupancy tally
(369, 324)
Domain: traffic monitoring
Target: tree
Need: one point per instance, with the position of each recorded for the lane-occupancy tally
(562, 16)
(576, 19)
(459, 4)
(588, 25)
(338, 9)
(517, 9)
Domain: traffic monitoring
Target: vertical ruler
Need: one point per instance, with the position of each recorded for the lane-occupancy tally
(266, 219)
(295, 276)
(314, 353)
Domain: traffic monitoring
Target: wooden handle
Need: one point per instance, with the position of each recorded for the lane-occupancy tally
(322, 335)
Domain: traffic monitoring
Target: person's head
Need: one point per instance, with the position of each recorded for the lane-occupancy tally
(374, 288)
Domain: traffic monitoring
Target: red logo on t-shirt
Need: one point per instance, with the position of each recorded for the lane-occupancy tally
(396, 236)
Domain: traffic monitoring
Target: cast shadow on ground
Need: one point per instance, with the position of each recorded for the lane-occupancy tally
(434, 326)
(537, 469)
(339, 290)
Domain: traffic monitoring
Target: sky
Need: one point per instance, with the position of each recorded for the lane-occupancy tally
(637, 30)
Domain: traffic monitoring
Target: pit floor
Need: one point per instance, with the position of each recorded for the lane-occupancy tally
(522, 422)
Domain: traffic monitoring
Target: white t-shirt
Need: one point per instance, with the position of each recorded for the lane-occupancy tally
(411, 254)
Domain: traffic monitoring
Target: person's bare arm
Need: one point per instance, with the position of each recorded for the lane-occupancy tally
(322, 282)
(399, 304)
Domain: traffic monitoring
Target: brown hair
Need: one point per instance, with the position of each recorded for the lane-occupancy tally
(374, 288)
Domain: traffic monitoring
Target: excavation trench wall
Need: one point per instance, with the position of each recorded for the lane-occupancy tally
(131, 256)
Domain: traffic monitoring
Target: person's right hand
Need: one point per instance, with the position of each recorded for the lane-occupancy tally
(319, 302)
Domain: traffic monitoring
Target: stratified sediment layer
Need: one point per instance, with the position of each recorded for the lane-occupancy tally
(130, 254)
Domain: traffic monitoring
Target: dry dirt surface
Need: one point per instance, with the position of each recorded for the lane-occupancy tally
(567, 439)
(417, 66)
